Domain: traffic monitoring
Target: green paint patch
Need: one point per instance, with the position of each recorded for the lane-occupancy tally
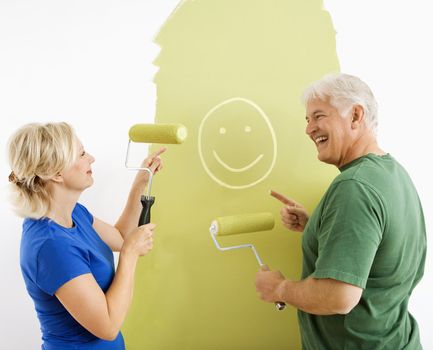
(232, 72)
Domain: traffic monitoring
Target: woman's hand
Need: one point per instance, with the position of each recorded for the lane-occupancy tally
(127, 222)
(139, 241)
(293, 215)
(154, 163)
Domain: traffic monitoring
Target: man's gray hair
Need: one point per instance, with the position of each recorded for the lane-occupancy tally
(345, 91)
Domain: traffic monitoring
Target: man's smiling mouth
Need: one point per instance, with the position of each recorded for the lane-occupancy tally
(236, 170)
(320, 140)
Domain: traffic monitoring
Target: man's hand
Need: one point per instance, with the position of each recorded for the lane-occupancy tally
(293, 215)
(270, 284)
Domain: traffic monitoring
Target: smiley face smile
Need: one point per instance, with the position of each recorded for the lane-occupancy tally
(236, 170)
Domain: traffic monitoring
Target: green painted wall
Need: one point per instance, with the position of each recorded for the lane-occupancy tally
(232, 71)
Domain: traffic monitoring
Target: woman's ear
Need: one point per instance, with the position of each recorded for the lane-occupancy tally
(58, 178)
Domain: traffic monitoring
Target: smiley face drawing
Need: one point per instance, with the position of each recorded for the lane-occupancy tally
(237, 144)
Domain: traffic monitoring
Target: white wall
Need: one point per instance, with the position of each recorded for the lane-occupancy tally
(89, 63)
(388, 44)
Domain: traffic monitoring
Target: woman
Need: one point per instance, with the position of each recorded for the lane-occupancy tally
(66, 253)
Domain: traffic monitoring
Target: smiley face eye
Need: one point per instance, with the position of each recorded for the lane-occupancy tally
(222, 131)
(247, 129)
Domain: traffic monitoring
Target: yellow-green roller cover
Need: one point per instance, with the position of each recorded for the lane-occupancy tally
(158, 133)
(254, 222)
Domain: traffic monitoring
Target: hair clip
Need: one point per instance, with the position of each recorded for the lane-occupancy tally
(13, 178)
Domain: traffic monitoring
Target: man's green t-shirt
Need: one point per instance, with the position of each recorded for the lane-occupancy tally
(368, 230)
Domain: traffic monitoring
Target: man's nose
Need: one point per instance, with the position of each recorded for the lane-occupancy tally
(310, 128)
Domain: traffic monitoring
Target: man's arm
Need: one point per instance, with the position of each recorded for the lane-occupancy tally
(323, 296)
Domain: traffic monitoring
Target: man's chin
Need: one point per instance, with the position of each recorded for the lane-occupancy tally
(323, 158)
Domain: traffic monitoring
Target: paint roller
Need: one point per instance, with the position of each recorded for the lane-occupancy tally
(153, 133)
(245, 223)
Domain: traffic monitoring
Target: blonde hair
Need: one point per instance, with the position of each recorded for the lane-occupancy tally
(37, 153)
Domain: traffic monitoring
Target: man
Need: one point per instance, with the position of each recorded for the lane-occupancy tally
(364, 246)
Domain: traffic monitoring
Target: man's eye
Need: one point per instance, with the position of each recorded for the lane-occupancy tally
(83, 153)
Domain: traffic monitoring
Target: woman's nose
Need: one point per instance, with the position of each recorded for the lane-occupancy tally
(91, 158)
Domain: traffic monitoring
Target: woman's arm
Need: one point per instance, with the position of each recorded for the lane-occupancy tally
(103, 314)
(109, 234)
(113, 236)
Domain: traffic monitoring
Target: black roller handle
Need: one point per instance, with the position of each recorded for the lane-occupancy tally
(147, 203)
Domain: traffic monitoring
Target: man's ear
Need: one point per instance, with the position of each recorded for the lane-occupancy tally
(357, 116)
